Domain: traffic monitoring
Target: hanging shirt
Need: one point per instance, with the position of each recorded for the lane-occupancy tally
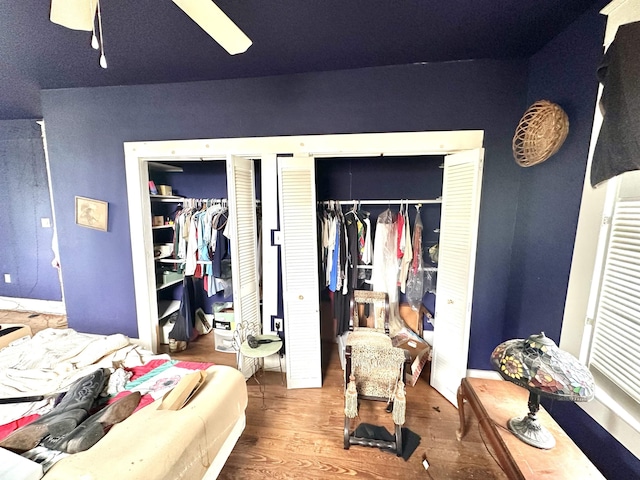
(408, 254)
(618, 147)
(384, 254)
(367, 251)
(192, 247)
(400, 235)
(335, 262)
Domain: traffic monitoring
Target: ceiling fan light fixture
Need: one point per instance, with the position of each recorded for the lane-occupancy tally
(81, 15)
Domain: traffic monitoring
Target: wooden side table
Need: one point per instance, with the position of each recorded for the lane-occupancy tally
(494, 402)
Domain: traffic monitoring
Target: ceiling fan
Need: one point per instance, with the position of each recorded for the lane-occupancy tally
(81, 15)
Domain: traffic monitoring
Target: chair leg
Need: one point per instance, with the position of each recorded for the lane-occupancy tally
(347, 424)
(399, 445)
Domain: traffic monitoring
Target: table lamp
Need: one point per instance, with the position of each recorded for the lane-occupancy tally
(537, 364)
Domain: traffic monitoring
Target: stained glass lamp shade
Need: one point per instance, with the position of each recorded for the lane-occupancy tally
(537, 364)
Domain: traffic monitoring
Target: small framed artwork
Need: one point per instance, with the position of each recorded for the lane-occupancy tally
(92, 213)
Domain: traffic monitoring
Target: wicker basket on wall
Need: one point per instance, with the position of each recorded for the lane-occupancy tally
(541, 132)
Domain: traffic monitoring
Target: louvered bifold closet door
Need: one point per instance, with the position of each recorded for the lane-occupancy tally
(297, 206)
(462, 181)
(244, 235)
(616, 336)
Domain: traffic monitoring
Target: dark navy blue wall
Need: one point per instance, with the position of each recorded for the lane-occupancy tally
(24, 196)
(548, 206)
(86, 128)
(549, 200)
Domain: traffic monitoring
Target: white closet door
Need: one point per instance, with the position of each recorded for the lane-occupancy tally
(243, 242)
(461, 187)
(301, 298)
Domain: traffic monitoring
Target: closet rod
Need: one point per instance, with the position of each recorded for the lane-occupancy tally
(382, 202)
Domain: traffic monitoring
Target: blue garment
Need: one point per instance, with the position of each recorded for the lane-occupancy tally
(221, 253)
(333, 281)
(203, 241)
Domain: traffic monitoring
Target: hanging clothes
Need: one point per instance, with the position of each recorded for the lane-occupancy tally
(415, 280)
(201, 241)
(184, 327)
(400, 233)
(408, 253)
(384, 253)
(367, 249)
(351, 221)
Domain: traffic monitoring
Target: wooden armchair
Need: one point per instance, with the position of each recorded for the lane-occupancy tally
(374, 368)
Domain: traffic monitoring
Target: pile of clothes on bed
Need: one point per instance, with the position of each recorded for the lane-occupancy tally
(61, 391)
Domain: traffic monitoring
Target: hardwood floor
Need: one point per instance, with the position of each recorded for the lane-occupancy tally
(299, 433)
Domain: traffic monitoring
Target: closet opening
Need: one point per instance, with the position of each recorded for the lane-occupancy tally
(184, 193)
(362, 189)
(286, 164)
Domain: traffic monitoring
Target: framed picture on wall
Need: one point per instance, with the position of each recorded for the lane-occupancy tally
(92, 213)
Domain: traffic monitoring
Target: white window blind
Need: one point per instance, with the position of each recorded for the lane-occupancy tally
(614, 351)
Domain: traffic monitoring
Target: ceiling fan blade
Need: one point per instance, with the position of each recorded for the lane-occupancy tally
(216, 23)
(74, 14)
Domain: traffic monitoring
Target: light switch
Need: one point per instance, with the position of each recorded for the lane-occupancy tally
(46, 222)
(7, 278)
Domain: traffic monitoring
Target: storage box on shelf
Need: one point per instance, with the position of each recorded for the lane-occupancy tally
(223, 340)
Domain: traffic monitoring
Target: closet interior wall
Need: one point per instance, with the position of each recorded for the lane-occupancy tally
(380, 179)
(191, 179)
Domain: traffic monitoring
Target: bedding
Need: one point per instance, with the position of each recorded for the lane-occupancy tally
(152, 444)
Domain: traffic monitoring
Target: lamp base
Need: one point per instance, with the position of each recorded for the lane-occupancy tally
(529, 430)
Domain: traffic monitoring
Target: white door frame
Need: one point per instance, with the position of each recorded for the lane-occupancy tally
(137, 154)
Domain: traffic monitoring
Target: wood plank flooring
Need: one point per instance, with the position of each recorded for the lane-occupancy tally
(299, 433)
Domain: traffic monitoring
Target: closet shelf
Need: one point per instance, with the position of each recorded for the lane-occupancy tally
(176, 261)
(164, 167)
(160, 227)
(165, 198)
(167, 307)
(370, 267)
(168, 284)
(384, 202)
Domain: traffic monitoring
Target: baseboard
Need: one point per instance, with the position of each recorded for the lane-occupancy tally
(488, 374)
(32, 305)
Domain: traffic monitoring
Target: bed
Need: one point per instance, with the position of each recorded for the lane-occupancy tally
(192, 442)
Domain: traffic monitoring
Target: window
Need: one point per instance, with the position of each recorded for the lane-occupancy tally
(602, 309)
(610, 347)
